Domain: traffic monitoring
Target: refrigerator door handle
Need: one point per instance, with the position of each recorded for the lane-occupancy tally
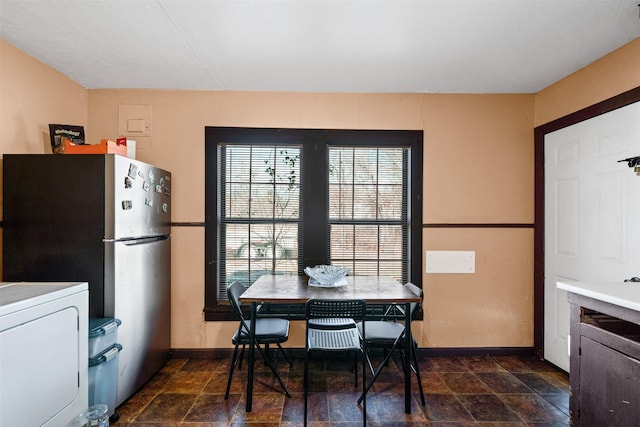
(138, 240)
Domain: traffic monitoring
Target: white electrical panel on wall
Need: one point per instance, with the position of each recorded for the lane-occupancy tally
(134, 120)
(461, 262)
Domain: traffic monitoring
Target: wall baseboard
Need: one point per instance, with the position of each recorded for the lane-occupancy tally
(476, 351)
(221, 353)
(201, 353)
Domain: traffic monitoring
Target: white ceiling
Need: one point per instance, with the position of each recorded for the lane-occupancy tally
(401, 46)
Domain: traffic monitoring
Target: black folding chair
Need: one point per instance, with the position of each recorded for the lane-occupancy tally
(331, 326)
(390, 336)
(268, 331)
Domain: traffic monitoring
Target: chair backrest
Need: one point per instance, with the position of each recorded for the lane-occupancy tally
(415, 306)
(234, 290)
(339, 309)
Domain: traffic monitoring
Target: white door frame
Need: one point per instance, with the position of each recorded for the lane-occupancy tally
(592, 209)
(605, 106)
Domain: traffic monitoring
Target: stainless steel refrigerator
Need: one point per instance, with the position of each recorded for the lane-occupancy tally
(106, 220)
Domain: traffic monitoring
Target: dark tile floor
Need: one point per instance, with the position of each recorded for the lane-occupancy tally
(506, 391)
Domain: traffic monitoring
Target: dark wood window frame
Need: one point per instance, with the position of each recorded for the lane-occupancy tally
(314, 213)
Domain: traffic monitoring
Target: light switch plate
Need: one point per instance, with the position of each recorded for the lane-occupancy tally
(461, 262)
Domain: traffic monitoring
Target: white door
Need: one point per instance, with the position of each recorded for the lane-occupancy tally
(592, 213)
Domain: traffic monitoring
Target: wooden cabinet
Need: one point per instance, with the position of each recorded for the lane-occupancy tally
(605, 364)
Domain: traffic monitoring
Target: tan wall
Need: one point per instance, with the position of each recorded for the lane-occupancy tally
(33, 95)
(177, 143)
(478, 168)
(478, 159)
(492, 307)
(611, 75)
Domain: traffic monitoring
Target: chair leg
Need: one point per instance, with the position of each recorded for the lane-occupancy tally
(241, 356)
(416, 369)
(273, 370)
(356, 370)
(265, 355)
(234, 361)
(385, 351)
(285, 355)
(364, 386)
(305, 384)
(401, 352)
(377, 372)
(370, 364)
(355, 366)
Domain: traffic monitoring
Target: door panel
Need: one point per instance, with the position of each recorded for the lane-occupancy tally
(592, 212)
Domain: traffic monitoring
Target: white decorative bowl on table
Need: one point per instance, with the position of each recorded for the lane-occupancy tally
(327, 276)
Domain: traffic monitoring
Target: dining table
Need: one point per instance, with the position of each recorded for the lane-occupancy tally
(296, 290)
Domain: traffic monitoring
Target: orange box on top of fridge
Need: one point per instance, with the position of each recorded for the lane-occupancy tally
(106, 146)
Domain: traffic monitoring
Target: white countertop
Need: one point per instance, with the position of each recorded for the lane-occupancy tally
(623, 294)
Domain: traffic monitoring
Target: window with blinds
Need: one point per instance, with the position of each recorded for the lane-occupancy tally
(279, 200)
(260, 214)
(368, 218)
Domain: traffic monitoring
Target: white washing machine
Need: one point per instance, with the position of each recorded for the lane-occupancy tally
(43, 353)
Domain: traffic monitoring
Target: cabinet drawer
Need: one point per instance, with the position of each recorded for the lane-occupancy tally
(609, 386)
(620, 335)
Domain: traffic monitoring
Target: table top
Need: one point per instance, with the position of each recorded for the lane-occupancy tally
(295, 289)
